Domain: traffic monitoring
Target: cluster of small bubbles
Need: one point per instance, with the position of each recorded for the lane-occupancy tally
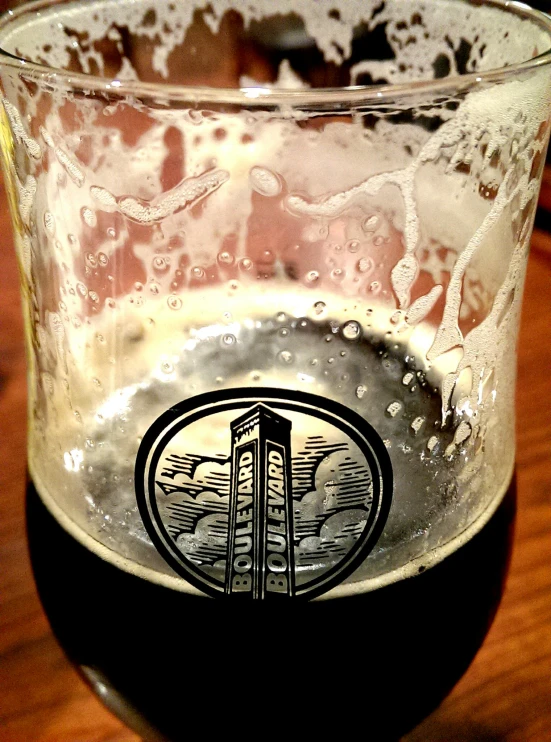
(312, 276)
(353, 246)
(93, 296)
(370, 224)
(319, 307)
(408, 378)
(167, 367)
(375, 287)
(103, 260)
(285, 357)
(394, 408)
(110, 302)
(417, 424)
(245, 264)
(228, 339)
(160, 264)
(351, 330)
(111, 233)
(49, 223)
(174, 302)
(361, 389)
(88, 216)
(337, 274)
(225, 258)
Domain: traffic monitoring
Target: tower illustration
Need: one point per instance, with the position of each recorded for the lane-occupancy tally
(260, 560)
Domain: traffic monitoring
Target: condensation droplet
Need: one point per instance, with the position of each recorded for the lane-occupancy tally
(394, 408)
(285, 357)
(361, 389)
(174, 302)
(351, 330)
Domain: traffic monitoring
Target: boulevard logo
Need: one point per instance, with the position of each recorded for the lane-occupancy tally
(264, 493)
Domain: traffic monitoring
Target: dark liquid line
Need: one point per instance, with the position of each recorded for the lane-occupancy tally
(381, 660)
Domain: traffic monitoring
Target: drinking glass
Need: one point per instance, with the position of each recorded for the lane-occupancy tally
(272, 262)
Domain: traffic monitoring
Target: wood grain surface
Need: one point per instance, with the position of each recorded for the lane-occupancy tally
(505, 695)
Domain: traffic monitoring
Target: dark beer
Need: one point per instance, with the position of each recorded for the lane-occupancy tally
(172, 662)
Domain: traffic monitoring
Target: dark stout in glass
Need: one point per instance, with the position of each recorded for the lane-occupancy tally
(379, 661)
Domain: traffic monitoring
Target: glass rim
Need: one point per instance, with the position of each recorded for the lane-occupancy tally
(262, 96)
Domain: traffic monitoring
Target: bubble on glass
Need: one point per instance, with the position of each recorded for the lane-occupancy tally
(394, 408)
(138, 286)
(160, 264)
(264, 182)
(197, 272)
(371, 223)
(361, 389)
(353, 246)
(88, 216)
(417, 424)
(111, 233)
(351, 330)
(312, 277)
(225, 258)
(228, 339)
(337, 275)
(93, 296)
(319, 308)
(374, 287)
(407, 378)
(110, 302)
(49, 223)
(245, 264)
(103, 260)
(82, 290)
(281, 316)
(378, 240)
(174, 302)
(167, 367)
(285, 357)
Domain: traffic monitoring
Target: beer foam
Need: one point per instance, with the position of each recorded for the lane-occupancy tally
(422, 41)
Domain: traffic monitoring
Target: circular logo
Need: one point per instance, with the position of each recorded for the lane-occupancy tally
(263, 493)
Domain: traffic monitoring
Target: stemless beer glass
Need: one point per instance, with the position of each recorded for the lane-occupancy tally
(272, 259)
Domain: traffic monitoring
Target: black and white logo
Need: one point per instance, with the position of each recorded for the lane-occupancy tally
(263, 493)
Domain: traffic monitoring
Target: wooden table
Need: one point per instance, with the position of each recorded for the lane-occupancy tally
(504, 697)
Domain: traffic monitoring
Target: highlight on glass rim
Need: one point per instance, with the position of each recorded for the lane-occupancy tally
(272, 260)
